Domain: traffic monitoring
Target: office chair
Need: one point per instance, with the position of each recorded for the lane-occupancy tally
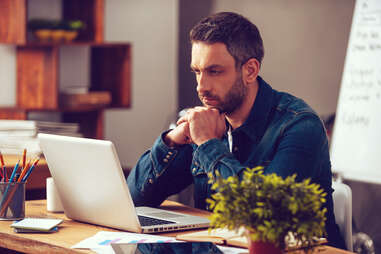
(342, 200)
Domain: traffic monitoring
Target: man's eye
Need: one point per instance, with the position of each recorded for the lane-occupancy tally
(215, 72)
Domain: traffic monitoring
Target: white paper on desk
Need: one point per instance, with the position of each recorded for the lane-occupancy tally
(224, 249)
(232, 250)
(104, 250)
(105, 238)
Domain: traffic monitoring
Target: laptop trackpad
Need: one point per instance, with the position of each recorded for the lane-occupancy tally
(157, 213)
(164, 215)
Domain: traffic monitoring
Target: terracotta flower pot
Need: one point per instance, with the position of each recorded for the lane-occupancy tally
(43, 34)
(263, 248)
(258, 247)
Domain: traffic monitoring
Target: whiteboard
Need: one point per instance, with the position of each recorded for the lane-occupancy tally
(356, 141)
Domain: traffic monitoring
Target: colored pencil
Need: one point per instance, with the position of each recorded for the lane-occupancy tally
(14, 172)
(23, 172)
(3, 167)
(23, 158)
(30, 170)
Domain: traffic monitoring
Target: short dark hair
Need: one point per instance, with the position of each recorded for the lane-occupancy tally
(241, 37)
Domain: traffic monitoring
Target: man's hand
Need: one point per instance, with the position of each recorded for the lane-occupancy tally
(178, 136)
(204, 124)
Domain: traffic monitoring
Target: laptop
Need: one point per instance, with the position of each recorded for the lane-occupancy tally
(92, 187)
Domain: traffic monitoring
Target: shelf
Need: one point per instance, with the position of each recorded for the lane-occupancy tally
(37, 78)
(73, 43)
(37, 75)
(13, 113)
(37, 88)
(13, 19)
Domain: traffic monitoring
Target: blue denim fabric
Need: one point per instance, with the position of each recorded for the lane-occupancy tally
(282, 133)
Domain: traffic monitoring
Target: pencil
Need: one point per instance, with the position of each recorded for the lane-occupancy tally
(2, 159)
(14, 172)
(23, 158)
(23, 172)
(30, 170)
(3, 167)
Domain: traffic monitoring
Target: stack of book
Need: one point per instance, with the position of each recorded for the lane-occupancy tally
(15, 135)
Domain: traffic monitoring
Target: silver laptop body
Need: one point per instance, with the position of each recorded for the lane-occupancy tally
(92, 187)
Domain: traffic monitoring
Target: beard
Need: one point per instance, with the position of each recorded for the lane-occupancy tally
(232, 100)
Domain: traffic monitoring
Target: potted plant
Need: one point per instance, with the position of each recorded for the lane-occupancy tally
(41, 28)
(71, 28)
(55, 30)
(272, 210)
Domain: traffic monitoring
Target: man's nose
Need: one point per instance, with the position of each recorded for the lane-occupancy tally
(203, 84)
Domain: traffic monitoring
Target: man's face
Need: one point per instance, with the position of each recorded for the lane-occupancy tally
(219, 83)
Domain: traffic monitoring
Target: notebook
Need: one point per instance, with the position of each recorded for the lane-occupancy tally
(36, 224)
(238, 238)
(92, 187)
(221, 236)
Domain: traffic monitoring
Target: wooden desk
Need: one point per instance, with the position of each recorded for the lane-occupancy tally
(72, 232)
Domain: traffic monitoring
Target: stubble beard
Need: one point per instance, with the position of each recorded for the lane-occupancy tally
(233, 98)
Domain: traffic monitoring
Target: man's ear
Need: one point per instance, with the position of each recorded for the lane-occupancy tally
(250, 70)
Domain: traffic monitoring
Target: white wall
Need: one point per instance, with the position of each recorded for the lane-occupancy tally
(7, 75)
(152, 28)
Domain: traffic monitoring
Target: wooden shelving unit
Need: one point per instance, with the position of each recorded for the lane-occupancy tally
(38, 64)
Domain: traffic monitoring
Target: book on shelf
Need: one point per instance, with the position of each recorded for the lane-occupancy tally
(15, 135)
(13, 126)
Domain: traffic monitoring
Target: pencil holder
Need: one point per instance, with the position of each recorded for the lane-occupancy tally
(12, 200)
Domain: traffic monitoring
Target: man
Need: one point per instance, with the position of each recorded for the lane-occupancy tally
(243, 123)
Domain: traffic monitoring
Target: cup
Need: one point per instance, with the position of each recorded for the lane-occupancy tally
(53, 201)
(12, 200)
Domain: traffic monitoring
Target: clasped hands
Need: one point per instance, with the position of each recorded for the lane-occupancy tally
(197, 126)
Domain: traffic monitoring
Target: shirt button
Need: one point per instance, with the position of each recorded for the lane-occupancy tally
(150, 181)
(170, 153)
(168, 156)
(165, 160)
(195, 163)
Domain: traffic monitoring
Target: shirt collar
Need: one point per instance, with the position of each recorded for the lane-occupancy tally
(255, 124)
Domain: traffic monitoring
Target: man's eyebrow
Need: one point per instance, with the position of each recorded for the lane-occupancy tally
(206, 68)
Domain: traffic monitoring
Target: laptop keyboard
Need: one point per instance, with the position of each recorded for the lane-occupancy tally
(148, 221)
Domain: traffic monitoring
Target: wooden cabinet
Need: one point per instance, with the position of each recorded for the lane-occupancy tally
(38, 64)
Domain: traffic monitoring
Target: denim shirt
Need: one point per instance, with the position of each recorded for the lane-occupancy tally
(282, 133)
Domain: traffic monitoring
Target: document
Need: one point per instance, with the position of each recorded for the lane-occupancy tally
(105, 238)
